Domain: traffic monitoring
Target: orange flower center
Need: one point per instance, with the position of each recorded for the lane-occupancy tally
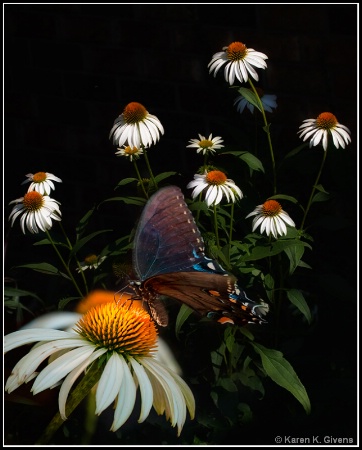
(326, 120)
(271, 208)
(119, 328)
(236, 51)
(131, 150)
(33, 201)
(134, 112)
(205, 143)
(39, 177)
(216, 177)
(91, 259)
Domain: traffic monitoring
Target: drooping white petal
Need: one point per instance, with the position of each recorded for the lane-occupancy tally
(59, 368)
(72, 377)
(145, 388)
(23, 337)
(110, 383)
(126, 398)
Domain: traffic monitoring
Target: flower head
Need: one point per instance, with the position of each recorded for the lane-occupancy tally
(240, 62)
(91, 262)
(267, 100)
(319, 129)
(216, 185)
(136, 127)
(130, 152)
(128, 337)
(206, 145)
(37, 212)
(271, 218)
(41, 182)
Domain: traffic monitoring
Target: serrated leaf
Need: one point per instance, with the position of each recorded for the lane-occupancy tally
(283, 374)
(296, 297)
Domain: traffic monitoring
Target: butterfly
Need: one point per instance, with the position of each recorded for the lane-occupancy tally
(169, 260)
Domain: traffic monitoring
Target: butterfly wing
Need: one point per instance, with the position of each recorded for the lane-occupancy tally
(213, 295)
(169, 259)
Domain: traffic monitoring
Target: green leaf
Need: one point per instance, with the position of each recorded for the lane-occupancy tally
(296, 150)
(79, 244)
(127, 181)
(320, 188)
(250, 96)
(139, 201)
(84, 222)
(296, 297)
(288, 198)
(320, 197)
(283, 374)
(44, 268)
(294, 253)
(182, 316)
(164, 175)
(14, 292)
(271, 249)
(252, 161)
(47, 242)
(64, 301)
(227, 384)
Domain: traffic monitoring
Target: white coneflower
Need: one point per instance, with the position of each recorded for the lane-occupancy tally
(320, 129)
(41, 182)
(36, 210)
(240, 62)
(128, 337)
(206, 145)
(271, 218)
(136, 127)
(216, 185)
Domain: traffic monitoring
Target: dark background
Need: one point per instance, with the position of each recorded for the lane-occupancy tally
(71, 69)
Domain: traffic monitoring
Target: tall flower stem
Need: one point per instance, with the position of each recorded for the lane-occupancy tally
(231, 229)
(266, 129)
(78, 394)
(150, 170)
(216, 228)
(139, 178)
(76, 259)
(313, 190)
(64, 264)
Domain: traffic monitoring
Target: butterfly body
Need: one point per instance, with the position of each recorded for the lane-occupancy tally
(169, 260)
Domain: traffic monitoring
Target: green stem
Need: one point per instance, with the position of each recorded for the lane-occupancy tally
(64, 264)
(313, 190)
(231, 229)
(216, 228)
(140, 179)
(78, 394)
(266, 129)
(75, 257)
(150, 170)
